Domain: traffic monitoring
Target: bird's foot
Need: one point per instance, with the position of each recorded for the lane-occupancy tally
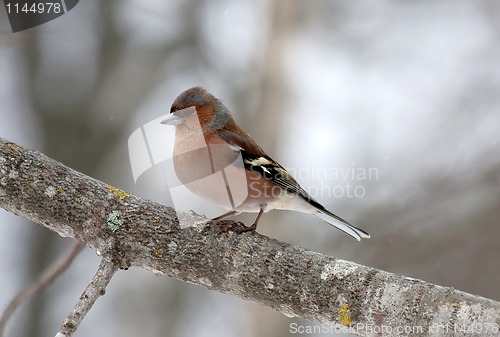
(242, 228)
(193, 213)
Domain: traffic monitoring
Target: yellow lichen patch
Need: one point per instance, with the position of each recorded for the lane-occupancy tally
(120, 194)
(159, 253)
(14, 148)
(60, 189)
(345, 315)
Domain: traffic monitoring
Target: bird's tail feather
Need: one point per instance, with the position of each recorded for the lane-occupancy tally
(342, 224)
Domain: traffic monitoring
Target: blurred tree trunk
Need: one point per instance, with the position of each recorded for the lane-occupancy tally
(72, 135)
(266, 124)
(81, 132)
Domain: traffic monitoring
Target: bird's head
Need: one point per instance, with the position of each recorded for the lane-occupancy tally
(196, 105)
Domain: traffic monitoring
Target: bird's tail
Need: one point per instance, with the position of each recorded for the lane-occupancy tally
(341, 224)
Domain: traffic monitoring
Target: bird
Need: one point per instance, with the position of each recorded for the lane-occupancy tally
(218, 161)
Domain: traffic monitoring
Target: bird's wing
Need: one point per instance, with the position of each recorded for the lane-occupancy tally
(256, 160)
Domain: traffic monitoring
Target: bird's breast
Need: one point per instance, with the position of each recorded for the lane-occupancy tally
(214, 172)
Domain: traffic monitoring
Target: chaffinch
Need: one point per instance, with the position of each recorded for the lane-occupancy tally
(215, 159)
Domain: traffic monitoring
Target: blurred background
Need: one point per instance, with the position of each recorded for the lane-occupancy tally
(388, 112)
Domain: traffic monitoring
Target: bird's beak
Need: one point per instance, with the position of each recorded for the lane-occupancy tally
(172, 120)
(177, 117)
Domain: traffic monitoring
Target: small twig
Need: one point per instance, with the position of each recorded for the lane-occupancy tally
(96, 288)
(42, 282)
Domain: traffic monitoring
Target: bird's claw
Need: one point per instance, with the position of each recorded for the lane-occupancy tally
(242, 228)
(193, 213)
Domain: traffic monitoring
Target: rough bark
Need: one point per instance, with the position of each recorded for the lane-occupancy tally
(130, 231)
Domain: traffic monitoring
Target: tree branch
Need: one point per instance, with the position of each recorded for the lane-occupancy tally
(96, 288)
(129, 231)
